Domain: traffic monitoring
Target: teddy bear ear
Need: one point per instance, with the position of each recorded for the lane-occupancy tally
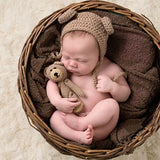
(66, 16)
(56, 55)
(107, 25)
(45, 72)
(58, 63)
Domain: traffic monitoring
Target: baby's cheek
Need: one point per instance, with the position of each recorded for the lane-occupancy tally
(85, 68)
(64, 62)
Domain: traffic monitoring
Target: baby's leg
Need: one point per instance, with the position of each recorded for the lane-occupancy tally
(106, 112)
(59, 126)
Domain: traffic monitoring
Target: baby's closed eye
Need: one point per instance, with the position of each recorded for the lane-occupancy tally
(65, 57)
(82, 60)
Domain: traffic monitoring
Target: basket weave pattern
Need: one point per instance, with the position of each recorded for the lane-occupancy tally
(35, 121)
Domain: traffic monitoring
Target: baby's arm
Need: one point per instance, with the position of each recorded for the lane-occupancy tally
(63, 104)
(118, 89)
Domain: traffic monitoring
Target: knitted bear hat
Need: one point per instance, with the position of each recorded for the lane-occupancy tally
(99, 28)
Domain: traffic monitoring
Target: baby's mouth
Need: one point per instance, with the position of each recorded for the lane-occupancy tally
(72, 71)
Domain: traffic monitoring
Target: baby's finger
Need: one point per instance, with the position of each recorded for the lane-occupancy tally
(99, 77)
(99, 89)
(98, 85)
(76, 104)
(72, 99)
(99, 82)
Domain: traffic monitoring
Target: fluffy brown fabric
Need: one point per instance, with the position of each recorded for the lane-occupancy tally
(48, 42)
(129, 47)
(134, 51)
(126, 130)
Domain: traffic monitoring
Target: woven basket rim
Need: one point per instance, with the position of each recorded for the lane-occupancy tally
(35, 121)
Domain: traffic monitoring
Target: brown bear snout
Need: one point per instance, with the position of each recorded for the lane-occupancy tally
(56, 75)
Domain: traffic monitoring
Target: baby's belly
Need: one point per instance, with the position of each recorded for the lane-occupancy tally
(92, 97)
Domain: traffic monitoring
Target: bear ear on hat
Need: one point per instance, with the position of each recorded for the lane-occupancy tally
(107, 25)
(66, 16)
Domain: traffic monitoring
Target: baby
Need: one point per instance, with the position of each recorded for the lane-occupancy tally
(83, 46)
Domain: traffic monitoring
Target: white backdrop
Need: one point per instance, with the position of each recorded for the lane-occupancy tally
(19, 141)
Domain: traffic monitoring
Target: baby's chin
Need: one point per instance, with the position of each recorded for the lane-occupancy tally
(81, 74)
(76, 73)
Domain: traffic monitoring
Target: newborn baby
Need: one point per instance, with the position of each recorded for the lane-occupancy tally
(83, 53)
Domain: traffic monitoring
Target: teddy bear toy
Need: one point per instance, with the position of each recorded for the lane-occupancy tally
(58, 73)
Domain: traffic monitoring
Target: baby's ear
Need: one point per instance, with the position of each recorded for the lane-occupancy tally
(107, 25)
(66, 16)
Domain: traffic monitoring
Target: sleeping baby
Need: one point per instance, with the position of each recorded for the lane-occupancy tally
(83, 47)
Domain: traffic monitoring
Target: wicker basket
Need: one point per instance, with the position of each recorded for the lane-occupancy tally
(35, 121)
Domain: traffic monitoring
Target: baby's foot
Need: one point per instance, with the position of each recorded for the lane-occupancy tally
(73, 121)
(86, 136)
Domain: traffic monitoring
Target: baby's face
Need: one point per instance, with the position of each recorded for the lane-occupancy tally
(80, 54)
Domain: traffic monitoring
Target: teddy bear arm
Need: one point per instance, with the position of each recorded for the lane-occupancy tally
(74, 88)
(66, 92)
(79, 108)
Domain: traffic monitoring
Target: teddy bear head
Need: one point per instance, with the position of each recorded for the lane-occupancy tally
(56, 72)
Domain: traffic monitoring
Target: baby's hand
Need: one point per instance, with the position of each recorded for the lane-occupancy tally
(104, 84)
(67, 104)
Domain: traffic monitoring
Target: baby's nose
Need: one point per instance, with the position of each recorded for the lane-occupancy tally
(72, 63)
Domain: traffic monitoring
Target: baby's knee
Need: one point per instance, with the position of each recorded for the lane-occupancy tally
(112, 105)
(112, 102)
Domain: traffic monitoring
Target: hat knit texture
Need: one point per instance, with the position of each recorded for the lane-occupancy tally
(99, 28)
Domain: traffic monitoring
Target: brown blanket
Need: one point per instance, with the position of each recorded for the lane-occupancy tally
(129, 47)
(134, 51)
